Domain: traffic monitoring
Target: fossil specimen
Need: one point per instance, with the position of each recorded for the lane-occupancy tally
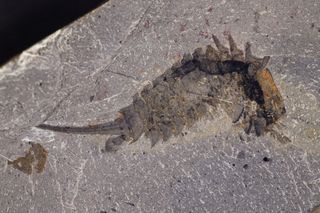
(188, 90)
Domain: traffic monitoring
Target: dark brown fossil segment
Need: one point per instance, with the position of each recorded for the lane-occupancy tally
(185, 93)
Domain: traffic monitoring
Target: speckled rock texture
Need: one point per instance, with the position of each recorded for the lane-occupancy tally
(85, 72)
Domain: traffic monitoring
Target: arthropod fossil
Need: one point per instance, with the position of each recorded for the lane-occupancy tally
(185, 93)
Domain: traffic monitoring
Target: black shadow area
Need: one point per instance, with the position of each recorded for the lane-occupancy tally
(24, 22)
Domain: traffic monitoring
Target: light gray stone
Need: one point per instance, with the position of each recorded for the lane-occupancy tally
(88, 70)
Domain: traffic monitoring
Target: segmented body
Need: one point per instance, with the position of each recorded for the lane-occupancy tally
(185, 92)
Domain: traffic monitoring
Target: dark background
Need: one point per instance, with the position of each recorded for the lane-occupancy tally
(24, 22)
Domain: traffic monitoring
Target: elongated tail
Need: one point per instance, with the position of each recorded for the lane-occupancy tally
(110, 128)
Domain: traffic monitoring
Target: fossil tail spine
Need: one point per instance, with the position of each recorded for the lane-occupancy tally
(110, 128)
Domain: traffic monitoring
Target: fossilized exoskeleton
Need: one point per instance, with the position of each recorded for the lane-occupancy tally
(188, 90)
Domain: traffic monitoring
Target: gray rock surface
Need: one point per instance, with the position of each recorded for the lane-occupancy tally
(85, 72)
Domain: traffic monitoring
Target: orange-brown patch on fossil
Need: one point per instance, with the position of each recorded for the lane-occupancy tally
(35, 159)
(273, 101)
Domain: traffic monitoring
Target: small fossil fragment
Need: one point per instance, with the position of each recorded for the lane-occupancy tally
(184, 93)
(316, 209)
(35, 158)
(238, 110)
